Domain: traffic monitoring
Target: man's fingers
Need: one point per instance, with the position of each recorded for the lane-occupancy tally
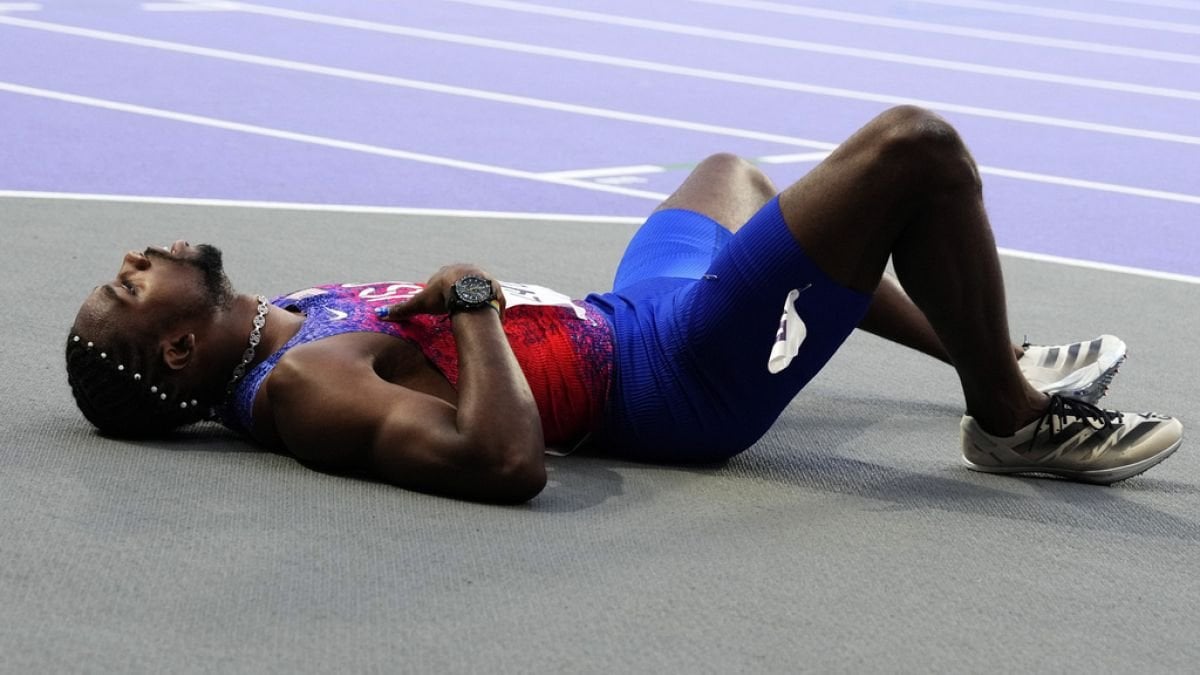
(384, 312)
(417, 304)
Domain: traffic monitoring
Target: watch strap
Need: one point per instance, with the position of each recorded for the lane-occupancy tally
(463, 307)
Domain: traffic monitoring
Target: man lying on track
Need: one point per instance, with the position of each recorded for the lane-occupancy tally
(727, 302)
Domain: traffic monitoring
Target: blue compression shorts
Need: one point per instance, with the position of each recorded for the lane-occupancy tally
(695, 313)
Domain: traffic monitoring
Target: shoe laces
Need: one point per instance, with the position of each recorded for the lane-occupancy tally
(1062, 407)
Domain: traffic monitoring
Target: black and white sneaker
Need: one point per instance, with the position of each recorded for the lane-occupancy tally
(1075, 440)
(1082, 370)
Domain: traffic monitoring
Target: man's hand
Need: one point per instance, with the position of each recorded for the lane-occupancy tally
(433, 298)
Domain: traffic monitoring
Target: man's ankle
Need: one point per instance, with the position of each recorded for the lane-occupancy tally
(1005, 420)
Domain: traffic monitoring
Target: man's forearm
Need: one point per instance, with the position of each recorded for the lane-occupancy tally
(496, 408)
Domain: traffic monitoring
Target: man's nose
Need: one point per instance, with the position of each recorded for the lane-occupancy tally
(136, 259)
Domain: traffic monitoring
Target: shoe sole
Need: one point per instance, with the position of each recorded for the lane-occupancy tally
(1093, 390)
(1096, 477)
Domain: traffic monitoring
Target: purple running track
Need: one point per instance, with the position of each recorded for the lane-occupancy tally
(478, 105)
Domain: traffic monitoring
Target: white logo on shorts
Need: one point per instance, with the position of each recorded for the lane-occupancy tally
(790, 335)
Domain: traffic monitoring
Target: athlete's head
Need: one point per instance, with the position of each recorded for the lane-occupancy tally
(132, 357)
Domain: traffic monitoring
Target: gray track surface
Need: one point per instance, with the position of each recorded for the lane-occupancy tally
(848, 540)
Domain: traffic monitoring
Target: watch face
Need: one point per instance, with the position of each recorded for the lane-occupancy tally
(473, 290)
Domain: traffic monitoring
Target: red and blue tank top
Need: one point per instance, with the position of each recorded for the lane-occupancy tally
(564, 347)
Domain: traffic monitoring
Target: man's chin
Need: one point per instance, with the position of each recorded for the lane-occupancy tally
(209, 260)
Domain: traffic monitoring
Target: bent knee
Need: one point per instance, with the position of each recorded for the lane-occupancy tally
(741, 172)
(926, 143)
(912, 124)
(725, 188)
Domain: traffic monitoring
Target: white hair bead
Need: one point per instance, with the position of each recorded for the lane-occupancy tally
(194, 403)
(163, 396)
(120, 367)
(137, 377)
(103, 355)
(75, 339)
(90, 345)
(183, 404)
(153, 389)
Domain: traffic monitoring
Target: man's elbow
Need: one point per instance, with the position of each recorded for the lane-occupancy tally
(518, 480)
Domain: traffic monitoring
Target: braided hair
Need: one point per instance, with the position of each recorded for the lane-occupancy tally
(121, 390)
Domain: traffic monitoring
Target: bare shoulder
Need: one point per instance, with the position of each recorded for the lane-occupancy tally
(324, 401)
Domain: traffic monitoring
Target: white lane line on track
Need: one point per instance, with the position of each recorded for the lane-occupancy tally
(604, 172)
(209, 6)
(325, 141)
(1169, 4)
(834, 50)
(1104, 267)
(308, 206)
(793, 158)
(643, 169)
(637, 64)
(20, 7)
(1090, 185)
(506, 215)
(805, 157)
(1069, 15)
(956, 31)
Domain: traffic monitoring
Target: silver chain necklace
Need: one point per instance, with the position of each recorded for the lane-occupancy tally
(260, 320)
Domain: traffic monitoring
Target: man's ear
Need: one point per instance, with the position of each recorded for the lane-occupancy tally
(179, 350)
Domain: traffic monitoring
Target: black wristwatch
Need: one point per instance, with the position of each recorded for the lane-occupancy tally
(470, 293)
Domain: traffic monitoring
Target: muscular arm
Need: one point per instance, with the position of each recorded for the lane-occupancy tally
(489, 447)
(497, 417)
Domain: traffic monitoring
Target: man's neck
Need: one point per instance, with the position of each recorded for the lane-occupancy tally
(235, 329)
